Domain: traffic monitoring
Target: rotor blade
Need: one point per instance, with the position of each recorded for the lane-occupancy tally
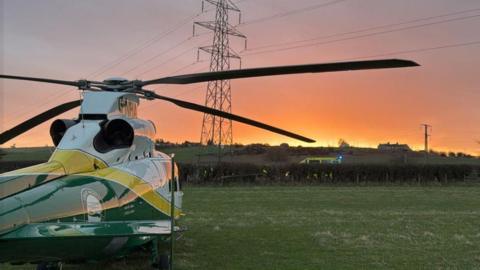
(72, 83)
(281, 70)
(204, 109)
(37, 120)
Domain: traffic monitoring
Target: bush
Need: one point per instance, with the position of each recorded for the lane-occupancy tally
(228, 173)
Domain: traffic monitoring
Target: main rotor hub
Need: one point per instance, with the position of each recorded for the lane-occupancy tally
(114, 84)
(115, 81)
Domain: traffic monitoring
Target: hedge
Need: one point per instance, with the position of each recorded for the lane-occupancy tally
(224, 174)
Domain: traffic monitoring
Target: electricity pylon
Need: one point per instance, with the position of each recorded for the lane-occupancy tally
(217, 130)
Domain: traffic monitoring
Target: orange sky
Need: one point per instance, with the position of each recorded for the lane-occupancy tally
(72, 39)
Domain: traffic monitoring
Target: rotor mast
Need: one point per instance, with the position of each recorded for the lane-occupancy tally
(217, 130)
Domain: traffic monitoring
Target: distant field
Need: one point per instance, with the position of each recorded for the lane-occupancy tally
(191, 154)
(326, 228)
(26, 154)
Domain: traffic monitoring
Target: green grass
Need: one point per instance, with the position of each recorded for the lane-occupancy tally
(26, 154)
(191, 154)
(327, 228)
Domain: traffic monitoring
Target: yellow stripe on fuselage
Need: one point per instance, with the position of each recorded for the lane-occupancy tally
(139, 186)
(76, 161)
(63, 162)
(53, 167)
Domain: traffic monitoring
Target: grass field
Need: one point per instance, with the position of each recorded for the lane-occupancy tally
(326, 228)
(191, 154)
(26, 154)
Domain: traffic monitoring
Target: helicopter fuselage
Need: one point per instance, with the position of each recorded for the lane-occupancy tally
(103, 192)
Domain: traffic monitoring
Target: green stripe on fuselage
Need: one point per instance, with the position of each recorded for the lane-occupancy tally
(67, 199)
(13, 184)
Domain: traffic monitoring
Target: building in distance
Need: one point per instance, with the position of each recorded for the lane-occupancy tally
(394, 147)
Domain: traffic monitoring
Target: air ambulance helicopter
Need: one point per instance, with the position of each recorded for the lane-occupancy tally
(105, 191)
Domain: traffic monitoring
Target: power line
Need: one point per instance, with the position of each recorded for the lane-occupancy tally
(156, 56)
(147, 44)
(176, 45)
(419, 50)
(366, 29)
(180, 69)
(187, 66)
(292, 12)
(121, 59)
(158, 37)
(361, 36)
(165, 62)
(168, 60)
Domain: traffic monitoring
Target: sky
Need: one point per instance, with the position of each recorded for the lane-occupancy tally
(145, 39)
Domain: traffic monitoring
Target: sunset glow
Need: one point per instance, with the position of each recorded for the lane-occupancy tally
(363, 107)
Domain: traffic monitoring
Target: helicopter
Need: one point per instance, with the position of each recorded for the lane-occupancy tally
(106, 191)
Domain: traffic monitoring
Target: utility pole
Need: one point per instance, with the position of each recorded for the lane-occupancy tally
(217, 130)
(427, 128)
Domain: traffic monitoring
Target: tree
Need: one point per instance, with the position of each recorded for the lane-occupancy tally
(343, 143)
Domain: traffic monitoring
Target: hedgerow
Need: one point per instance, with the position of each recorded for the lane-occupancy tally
(228, 173)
